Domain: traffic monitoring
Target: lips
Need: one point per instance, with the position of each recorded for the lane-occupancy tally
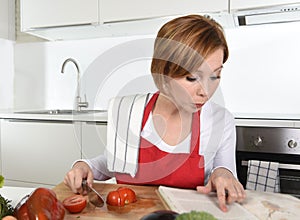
(199, 105)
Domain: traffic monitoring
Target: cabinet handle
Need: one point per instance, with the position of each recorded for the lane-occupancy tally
(38, 121)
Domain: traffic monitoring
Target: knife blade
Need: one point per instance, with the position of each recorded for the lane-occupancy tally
(94, 197)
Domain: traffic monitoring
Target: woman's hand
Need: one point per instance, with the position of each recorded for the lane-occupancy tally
(74, 177)
(228, 188)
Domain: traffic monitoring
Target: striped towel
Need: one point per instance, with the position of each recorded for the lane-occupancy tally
(124, 122)
(263, 176)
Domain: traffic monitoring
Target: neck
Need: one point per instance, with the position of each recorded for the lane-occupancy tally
(168, 108)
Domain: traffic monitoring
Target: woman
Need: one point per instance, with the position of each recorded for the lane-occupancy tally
(176, 137)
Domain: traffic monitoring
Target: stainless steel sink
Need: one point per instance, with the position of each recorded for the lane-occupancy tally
(60, 112)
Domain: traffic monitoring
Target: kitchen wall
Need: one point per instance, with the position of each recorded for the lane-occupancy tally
(106, 65)
(260, 78)
(6, 73)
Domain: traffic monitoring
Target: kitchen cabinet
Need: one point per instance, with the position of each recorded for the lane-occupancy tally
(54, 13)
(242, 4)
(7, 21)
(93, 139)
(116, 10)
(77, 19)
(37, 152)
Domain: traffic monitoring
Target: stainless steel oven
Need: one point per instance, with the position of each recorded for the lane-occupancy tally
(271, 144)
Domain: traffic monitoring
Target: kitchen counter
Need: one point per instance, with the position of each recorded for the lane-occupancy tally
(264, 205)
(288, 122)
(98, 117)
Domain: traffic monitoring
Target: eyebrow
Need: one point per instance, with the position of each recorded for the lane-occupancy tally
(218, 68)
(221, 67)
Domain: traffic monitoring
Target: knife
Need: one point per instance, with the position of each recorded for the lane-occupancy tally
(94, 197)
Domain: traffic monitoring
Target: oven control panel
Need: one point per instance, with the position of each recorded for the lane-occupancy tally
(268, 140)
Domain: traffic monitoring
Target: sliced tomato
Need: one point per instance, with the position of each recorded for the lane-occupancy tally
(120, 197)
(113, 198)
(75, 203)
(127, 194)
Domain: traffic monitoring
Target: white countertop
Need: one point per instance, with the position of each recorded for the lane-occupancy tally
(291, 122)
(92, 117)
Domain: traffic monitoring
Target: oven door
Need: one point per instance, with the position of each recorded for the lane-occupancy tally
(289, 169)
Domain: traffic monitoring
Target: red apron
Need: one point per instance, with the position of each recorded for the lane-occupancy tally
(156, 167)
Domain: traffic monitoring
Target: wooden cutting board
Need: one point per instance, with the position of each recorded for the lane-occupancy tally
(147, 201)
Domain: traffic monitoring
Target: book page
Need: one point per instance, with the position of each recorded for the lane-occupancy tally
(185, 200)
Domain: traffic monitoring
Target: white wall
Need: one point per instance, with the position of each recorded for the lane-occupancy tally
(105, 64)
(6, 74)
(260, 78)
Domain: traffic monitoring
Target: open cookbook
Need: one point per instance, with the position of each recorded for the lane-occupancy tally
(185, 200)
(257, 205)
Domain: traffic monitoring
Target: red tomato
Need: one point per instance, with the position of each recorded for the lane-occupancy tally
(75, 203)
(22, 212)
(42, 204)
(113, 198)
(120, 197)
(127, 194)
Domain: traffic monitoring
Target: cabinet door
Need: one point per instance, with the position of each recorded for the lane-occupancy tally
(242, 4)
(116, 10)
(93, 139)
(38, 152)
(7, 22)
(52, 13)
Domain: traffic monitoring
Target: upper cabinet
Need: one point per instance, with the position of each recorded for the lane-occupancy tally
(55, 13)
(75, 19)
(126, 10)
(7, 21)
(244, 4)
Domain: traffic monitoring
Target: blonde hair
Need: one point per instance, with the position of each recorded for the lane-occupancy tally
(183, 43)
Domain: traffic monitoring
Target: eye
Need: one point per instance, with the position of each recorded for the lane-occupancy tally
(191, 78)
(215, 77)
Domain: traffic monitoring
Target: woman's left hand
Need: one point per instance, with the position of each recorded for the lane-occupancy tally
(228, 188)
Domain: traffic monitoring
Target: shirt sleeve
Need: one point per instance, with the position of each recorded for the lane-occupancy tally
(98, 167)
(217, 139)
(225, 155)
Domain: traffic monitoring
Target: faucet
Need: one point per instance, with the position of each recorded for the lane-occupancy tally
(79, 103)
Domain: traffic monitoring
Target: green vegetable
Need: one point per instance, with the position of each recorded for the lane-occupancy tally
(194, 215)
(1, 181)
(5, 207)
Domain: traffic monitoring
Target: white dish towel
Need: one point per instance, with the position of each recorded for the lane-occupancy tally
(125, 116)
(263, 176)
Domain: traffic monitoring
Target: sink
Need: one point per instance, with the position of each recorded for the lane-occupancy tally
(60, 112)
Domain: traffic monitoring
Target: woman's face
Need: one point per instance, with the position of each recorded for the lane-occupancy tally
(192, 91)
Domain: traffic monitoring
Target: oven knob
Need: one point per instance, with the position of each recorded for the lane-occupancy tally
(292, 143)
(258, 141)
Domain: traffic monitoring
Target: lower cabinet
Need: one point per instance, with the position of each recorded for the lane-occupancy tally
(93, 139)
(36, 153)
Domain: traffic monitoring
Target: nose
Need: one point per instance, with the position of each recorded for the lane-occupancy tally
(202, 89)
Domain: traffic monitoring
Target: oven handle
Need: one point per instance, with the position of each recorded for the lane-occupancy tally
(281, 165)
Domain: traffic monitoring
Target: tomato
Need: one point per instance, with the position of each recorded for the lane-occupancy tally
(127, 194)
(75, 203)
(120, 197)
(113, 198)
(22, 212)
(42, 204)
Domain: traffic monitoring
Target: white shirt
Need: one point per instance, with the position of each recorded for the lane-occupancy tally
(217, 142)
